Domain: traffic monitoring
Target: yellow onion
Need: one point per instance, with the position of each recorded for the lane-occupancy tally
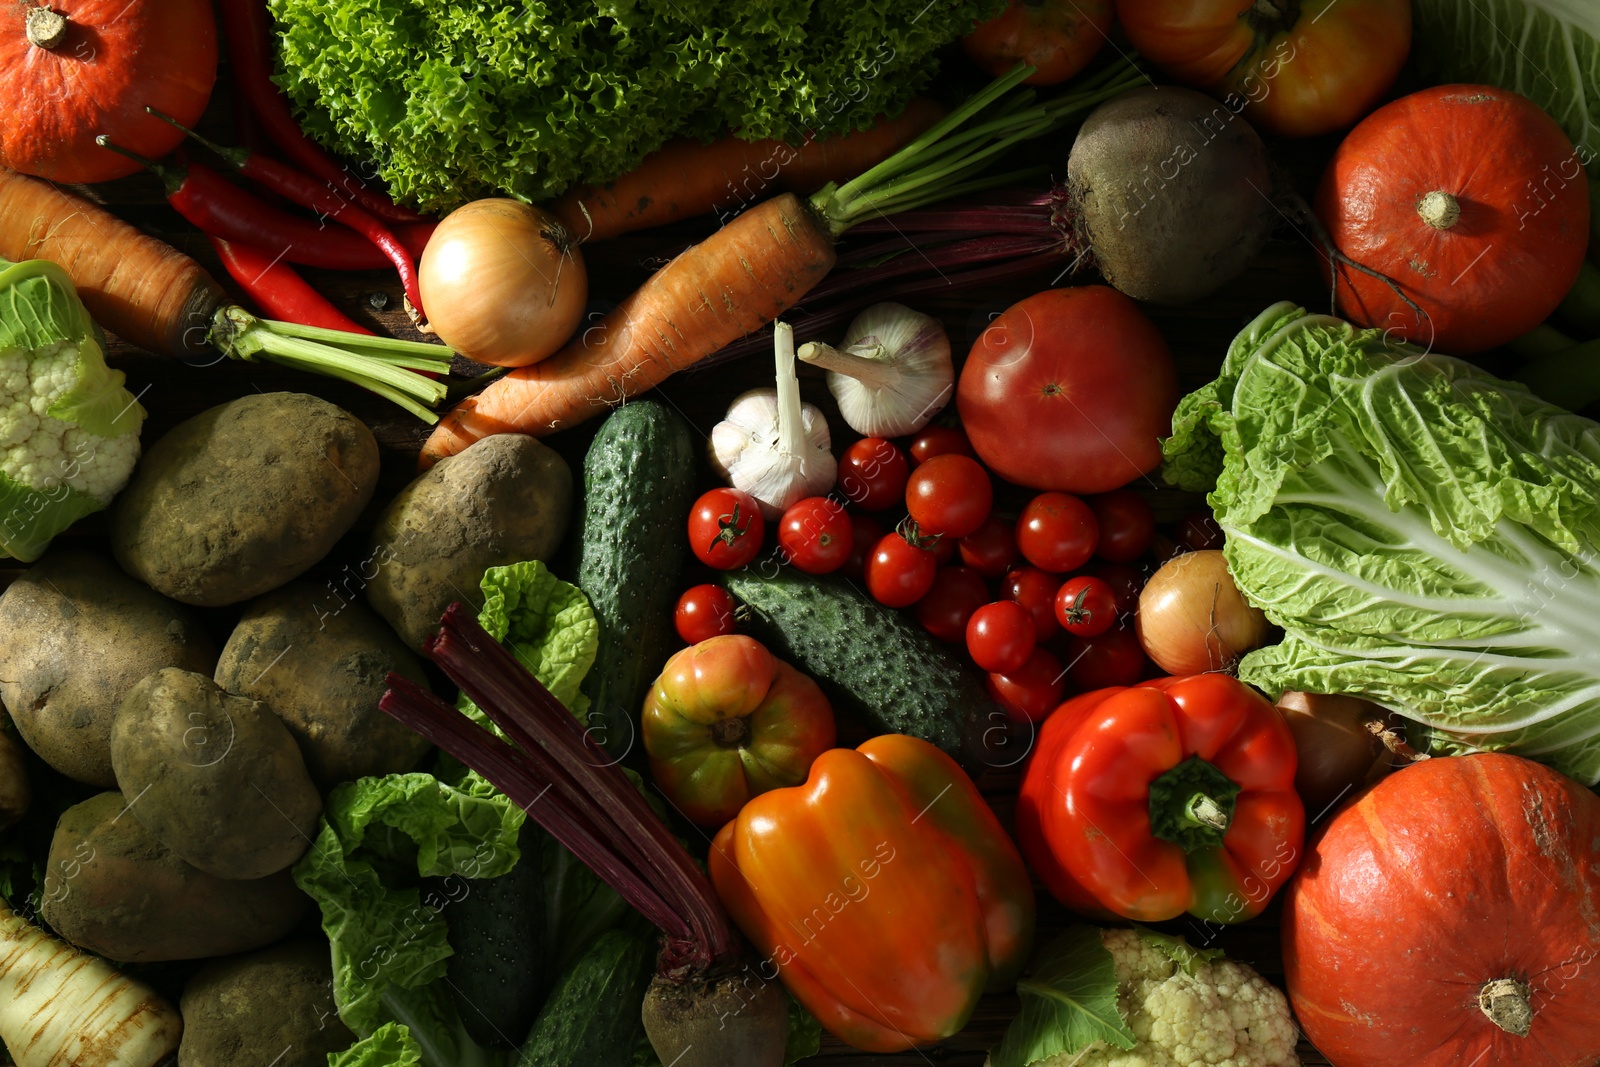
(1339, 742)
(1193, 619)
(503, 282)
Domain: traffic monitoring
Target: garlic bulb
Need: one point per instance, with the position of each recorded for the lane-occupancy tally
(894, 374)
(770, 444)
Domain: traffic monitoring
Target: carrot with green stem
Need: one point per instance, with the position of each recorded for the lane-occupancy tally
(756, 268)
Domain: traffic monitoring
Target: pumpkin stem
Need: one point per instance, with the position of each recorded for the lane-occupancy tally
(1439, 209)
(1507, 1003)
(46, 28)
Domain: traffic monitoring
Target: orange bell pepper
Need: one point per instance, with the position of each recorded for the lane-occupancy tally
(883, 892)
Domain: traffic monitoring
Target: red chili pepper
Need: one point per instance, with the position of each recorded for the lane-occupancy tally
(246, 27)
(311, 193)
(278, 290)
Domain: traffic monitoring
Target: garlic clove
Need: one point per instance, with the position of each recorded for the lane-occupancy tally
(894, 373)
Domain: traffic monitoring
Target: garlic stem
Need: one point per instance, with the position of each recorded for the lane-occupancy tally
(791, 418)
(864, 361)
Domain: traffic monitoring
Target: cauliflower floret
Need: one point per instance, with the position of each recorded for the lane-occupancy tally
(43, 452)
(1224, 1015)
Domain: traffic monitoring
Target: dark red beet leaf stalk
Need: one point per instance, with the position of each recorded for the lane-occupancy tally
(567, 784)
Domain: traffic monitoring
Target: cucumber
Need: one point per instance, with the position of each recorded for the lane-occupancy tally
(875, 664)
(593, 1017)
(638, 485)
(498, 932)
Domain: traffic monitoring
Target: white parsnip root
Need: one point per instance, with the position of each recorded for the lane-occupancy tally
(63, 1008)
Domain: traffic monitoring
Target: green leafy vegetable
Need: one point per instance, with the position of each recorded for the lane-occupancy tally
(1069, 1001)
(1185, 955)
(1424, 532)
(391, 1045)
(455, 101)
(547, 623)
(1547, 50)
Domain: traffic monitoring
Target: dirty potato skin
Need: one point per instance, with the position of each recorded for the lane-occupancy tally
(75, 635)
(506, 499)
(244, 497)
(318, 658)
(16, 791)
(115, 890)
(216, 778)
(272, 1008)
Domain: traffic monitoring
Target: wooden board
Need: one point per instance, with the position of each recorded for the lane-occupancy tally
(1199, 335)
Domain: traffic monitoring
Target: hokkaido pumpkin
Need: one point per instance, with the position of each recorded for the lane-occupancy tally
(1473, 201)
(76, 69)
(1450, 915)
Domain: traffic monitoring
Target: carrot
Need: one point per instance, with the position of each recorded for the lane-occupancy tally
(736, 281)
(153, 296)
(686, 178)
(750, 271)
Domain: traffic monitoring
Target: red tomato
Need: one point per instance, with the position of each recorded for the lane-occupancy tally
(1032, 692)
(865, 533)
(1127, 525)
(991, 549)
(815, 535)
(949, 495)
(872, 474)
(899, 573)
(1113, 658)
(1126, 582)
(1071, 389)
(726, 528)
(957, 592)
(704, 612)
(1199, 530)
(1035, 590)
(1059, 37)
(1000, 636)
(1057, 532)
(940, 441)
(1086, 607)
(944, 550)
(1295, 69)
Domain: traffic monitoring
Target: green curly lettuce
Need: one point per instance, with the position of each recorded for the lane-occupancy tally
(450, 102)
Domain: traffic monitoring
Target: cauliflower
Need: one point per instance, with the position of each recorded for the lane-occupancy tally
(43, 452)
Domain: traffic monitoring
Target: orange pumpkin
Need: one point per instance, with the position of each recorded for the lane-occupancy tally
(1469, 197)
(76, 69)
(1450, 916)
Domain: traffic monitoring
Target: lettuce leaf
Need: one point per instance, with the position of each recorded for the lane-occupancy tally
(1424, 532)
(391, 1045)
(1069, 1001)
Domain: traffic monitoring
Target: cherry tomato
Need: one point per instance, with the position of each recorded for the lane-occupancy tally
(865, 533)
(1127, 525)
(1113, 658)
(944, 550)
(726, 528)
(1000, 636)
(1126, 582)
(940, 441)
(1033, 691)
(1058, 37)
(704, 612)
(950, 495)
(957, 592)
(1035, 590)
(815, 535)
(1200, 531)
(872, 474)
(1086, 606)
(1057, 532)
(899, 572)
(991, 549)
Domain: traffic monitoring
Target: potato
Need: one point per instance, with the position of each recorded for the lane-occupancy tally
(116, 890)
(16, 792)
(506, 499)
(244, 497)
(318, 660)
(75, 635)
(214, 777)
(272, 1008)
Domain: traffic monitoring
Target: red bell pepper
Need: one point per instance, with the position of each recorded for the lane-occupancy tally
(1172, 796)
(883, 892)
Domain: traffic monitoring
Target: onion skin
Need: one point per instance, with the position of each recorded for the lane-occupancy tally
(1193, 619)
(503, 283)
(1338, 756)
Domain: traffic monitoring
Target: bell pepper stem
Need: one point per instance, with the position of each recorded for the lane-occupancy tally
(1203, 811)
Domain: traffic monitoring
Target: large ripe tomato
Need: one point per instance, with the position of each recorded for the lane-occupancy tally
(1071, 389)
(1059, 37)
(1294, 68)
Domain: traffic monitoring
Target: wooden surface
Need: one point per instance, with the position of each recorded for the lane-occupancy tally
(1198, 335)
